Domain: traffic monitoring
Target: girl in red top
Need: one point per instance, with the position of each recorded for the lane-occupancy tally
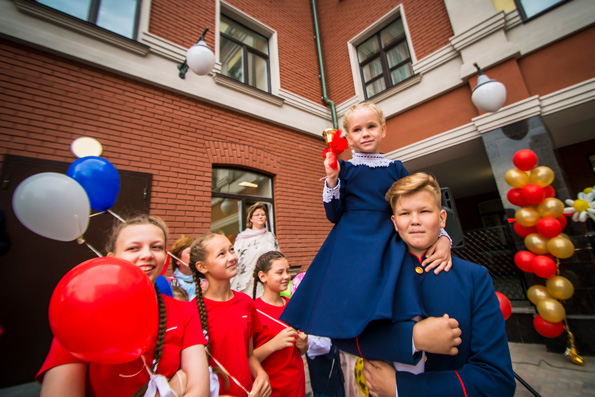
(180, 343)
(229, 317)
(278, 346)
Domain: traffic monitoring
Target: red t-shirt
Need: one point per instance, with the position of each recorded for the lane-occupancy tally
(285, 367)
(231, 326)
(183, 330)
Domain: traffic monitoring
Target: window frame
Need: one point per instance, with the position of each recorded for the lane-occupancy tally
(521, 10)
(248, 200)
(93, 14)
(382, 54)
(246, 50)
(374, 28)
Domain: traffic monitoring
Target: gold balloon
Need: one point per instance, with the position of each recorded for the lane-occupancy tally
(527, 216)
(516, 178)
(559, 287)
(560, 247)
(535, 293)
(536, 243)
(542, 176)
(551, 207)
(551, 310)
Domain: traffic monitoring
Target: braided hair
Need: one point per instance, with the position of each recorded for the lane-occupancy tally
(263, 264)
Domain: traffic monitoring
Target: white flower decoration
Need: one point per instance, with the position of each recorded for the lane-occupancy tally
(583, 207)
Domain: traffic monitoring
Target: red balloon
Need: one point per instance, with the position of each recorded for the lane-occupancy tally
(548, 227)
(105, 311)
(524, 260)
(544, 266)
(505, 305)
(563, 221)
(549, 191)
(533, 193)
(515, 196)
(547, 328)
(524, 231)
(525, 159)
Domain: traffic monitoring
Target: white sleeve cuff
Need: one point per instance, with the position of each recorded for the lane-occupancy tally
(443, 233)
(329, 194)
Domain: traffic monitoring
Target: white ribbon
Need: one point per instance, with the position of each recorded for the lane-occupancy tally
(158, 383)
(214, 383)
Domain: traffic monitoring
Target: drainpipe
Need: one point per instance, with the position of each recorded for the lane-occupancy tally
(325, 98)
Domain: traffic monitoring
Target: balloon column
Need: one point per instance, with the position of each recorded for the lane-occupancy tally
(540, 221)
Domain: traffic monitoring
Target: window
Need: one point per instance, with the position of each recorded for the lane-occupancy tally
(244, 54)
(529, 9)
(384, 59)
(233, 191)
(118, 16)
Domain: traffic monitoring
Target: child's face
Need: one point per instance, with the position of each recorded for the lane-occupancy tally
(418, 221)
(365, 132)
(277, 278)
(221, 262)
(144, 246)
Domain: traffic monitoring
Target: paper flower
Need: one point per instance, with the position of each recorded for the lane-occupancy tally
(582, 207)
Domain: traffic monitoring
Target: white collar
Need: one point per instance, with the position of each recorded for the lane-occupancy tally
(372, 160)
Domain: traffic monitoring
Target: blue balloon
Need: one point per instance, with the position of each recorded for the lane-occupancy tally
(99, 178)
(163, 286)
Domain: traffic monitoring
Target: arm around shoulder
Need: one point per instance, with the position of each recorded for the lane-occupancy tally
(67, 380)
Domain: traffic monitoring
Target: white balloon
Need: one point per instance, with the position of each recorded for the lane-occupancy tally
(52, 205)
(86, 146)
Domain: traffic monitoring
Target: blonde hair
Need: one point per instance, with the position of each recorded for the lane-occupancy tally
(364, 105)
(252, 209)
(414, 183)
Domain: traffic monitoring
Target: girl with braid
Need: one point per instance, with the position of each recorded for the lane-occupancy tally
(178, 355)
(278, 346)
(229, 317)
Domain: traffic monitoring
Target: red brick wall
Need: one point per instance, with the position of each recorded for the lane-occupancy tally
(340, 21)
(47, 102)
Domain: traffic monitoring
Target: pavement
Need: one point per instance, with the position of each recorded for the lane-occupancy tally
(548, 374)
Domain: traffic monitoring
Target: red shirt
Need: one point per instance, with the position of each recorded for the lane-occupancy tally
(231, 326)
(182, 330)
(285, 367)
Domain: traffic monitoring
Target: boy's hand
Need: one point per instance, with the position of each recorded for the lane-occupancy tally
(302, 342)
(438, 256)
(380, 378)
(439, 335)
(332, 175)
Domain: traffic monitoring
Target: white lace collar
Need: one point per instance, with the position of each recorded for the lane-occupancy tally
(373, 160)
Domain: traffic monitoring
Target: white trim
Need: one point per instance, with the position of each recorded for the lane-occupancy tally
(164, 48)
(479, 31)
(568, 97)
(304, 104)
(435, 59)
(436, 143)
(518, 111)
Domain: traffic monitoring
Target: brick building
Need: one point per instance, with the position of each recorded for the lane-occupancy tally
(184, 146)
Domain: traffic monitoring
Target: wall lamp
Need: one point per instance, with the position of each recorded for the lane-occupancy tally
(199, 58)
(488, 95)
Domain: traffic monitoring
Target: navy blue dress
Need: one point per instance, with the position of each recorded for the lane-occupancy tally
(352, 280)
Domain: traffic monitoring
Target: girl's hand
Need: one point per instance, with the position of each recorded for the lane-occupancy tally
(332, 175)
(438, 256)
(285, 338)
(261, 386)
(302, 342)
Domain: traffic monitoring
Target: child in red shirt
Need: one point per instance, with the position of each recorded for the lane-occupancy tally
(229, 317)
(278, 346)
(140, 240)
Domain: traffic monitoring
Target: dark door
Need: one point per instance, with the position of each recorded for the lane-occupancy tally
(33, 265)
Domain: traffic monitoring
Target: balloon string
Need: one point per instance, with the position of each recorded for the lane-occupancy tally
(81, 240)
(176, 258)
(274, 319)
(118, 217)
(95, 214)
(227, 373)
